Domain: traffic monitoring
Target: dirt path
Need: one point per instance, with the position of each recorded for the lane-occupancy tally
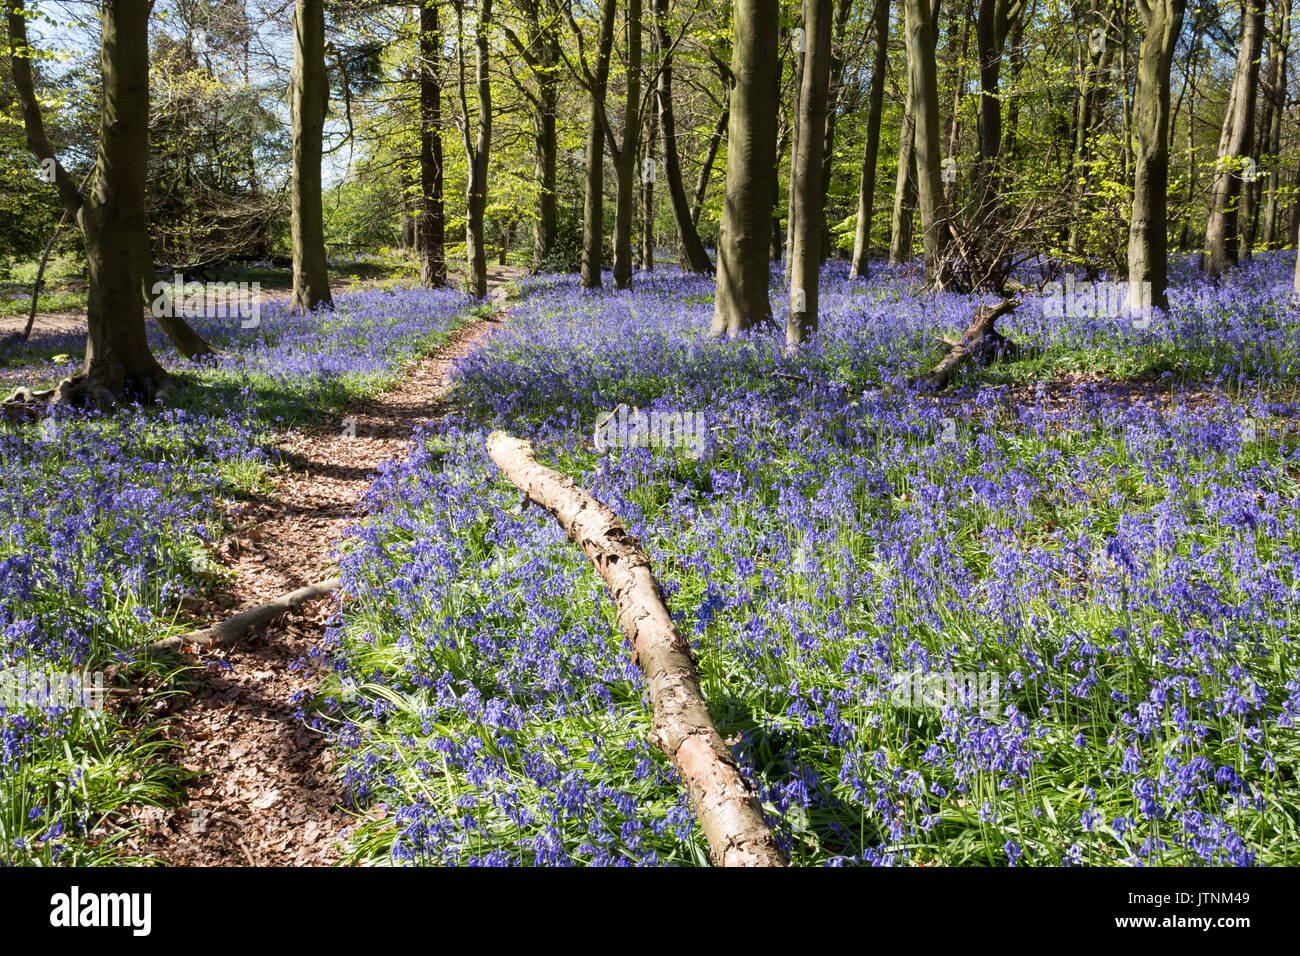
(265, 795)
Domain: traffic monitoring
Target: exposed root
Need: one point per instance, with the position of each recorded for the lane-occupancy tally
(77, 391)
(236, 627)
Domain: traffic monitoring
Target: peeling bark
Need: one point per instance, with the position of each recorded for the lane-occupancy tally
(724, 802)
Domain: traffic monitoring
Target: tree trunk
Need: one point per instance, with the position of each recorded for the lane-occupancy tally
(308, 102)
(648, 193)
(807, 197)
(776, 244)
(996, 18)
(706, 168)
(1279, 43)
(741, 301)
(546, 42)
(1296, 280)
(625, 167)
(1222, 239)
(1017, 58)
(430, 236)
(842, 9)
(923, 70)
(867, 183)
(900, 230)
(112, 217)
(1147, 240)
(693, 256)
(1293, 228)
(799, 60)
(477, 146)
(725, 804)
(593, 205)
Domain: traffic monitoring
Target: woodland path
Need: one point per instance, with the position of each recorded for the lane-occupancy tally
(265, 794)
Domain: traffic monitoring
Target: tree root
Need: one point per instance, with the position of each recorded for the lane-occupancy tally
(76, 391)
(236, 627)
(724, 801)
(981, 343)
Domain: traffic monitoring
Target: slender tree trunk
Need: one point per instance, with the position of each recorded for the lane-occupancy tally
(706, 169)
(995, 20)
(1017, 58)
(955, 70)
(649, 172)
(430, 237)
(1252, 182)
(776, 243)
(308, 102)
(625, 210)
(842, 9)
(1277, 97)
(1222, 237)
(1185, 239)
(1295, 284)
(1293, 228)
(693, 256)
(799, 60)
(741, 301)
(1147, 240)
(593, 206)
(807, 196)
(507, 240)
(923, 70)
(875, 106)
(900, 231)
(546, 42)
(478, 145)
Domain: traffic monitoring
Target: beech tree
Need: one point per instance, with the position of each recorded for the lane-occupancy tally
(1148, 241)
(1275, 93)
(741, 300)
(871, 149)
(807, 196)
(308, 103)
(922, 24)
(476, 138)
(597, 84)
(996, 18)
(429, 236)
(109, 209)
(693, 255)
(1222, 234)
(624, 150)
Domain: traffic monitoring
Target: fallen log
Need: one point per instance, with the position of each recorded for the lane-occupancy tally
(981, 342)
(724, 802)
(235, 627)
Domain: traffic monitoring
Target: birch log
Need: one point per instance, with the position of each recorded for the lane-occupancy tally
(724, 802)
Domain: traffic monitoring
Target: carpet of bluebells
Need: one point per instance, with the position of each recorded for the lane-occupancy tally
(105, 526)
(1104, 531)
